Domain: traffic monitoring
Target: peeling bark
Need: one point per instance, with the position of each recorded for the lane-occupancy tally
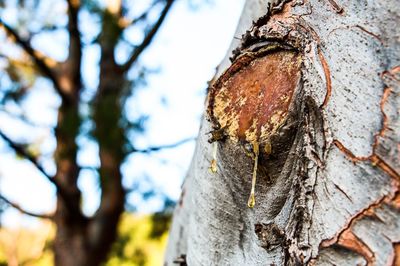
(327, 167)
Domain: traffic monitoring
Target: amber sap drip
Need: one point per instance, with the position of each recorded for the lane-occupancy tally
(213, 165)
(252, 200)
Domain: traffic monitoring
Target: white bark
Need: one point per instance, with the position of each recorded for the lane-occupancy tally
(334, 200)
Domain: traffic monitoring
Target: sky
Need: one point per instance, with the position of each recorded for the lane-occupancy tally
(185, 52)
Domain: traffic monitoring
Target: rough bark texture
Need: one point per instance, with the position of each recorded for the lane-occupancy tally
(327, 189)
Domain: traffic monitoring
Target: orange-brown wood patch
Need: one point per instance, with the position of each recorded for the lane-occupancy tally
(396, 259)
(349, 240)
(254, 100)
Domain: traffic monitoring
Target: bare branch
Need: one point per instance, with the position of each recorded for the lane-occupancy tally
(19, 208)
(24, 119)
(148, 38)
(37, 57)
(147, 150)
(48, 29)
(89, 168)
(21, 151)
(126, 23)
(162, 147)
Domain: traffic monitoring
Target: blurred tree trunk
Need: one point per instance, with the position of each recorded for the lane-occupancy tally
(70, 244)
(82, 240)
(309, 105)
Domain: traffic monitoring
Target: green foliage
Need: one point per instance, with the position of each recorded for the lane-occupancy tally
(3, 258)
(141, 240)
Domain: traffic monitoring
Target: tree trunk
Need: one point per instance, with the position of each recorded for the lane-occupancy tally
(70, 241)
(307, 110)
(81, 240)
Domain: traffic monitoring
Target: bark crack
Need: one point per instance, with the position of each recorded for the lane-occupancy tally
(375, 159)
(328, 80)
(349, 240)
(352, 242)
(336, 7)
(343, 192)
(369, 33)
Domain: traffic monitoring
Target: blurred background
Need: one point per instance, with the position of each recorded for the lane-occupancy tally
(100, 105)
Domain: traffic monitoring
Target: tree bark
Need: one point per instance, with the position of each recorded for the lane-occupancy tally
(308, 103)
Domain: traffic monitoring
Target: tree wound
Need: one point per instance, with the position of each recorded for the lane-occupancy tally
(251, 100)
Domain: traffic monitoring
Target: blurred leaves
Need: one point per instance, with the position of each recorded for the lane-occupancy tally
(141, 241)
(160, 224)
(27, 247)
(21, 71)
(22, 75)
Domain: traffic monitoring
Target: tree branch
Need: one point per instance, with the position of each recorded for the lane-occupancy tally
(21, 151)
(24, 119)
(75, 42)
(148, 38)
(147, 150)
(37, 58)
(162, 147)
(19, 208)
(126, 23)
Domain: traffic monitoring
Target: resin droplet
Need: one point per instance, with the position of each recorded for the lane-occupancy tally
(213, 165)
(268, 148)
(252, 199)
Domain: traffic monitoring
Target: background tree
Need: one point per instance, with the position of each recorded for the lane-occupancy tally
(301, 139)
(81, 240)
